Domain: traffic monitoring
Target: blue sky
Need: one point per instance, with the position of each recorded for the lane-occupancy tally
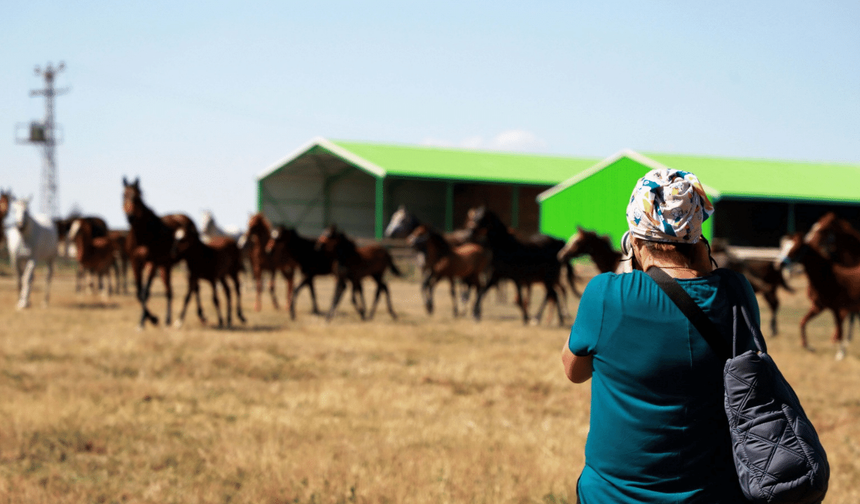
(197, 98)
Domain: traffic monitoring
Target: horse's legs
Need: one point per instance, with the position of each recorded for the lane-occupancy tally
(379, 287)
(479, 296)
(290, 279)
(218, 304)
(358, 295)
(144, 296)
(427, 291)
(239, 314)
(773, 302)
(306, 280)
(26, 283)
(181, 319)
(258, 283)
(388, 301)
(338, 292)
(272, 288)
(812, 313)
(524, 301)
(168, 288)
(453, 295)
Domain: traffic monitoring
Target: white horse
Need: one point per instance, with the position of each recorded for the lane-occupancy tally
(209, 229)
(30, 239)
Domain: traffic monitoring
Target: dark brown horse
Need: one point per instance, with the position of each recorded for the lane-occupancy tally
(149, 244)
(254, 241)
(287, 246)
(831, 286)
(467, 263)
(523, 262)
(765, 276)
(95, 254)
(99, 229)
(352, 264)
(214, 262)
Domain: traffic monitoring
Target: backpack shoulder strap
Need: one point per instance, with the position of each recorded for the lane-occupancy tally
(692, 311)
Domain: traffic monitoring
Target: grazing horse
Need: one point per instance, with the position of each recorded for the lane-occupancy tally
(215, 262)
(255, 240)
(150, 241)
(32, 238)
(466, 262)
(831, 286)
(95, 254)
(287, 246)
(352, 264)
(524, 263)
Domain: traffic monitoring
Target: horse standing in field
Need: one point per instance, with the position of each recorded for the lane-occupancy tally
(831, 286)
(287, 246)
(32, 239)
(215, 262)
(466, 262)
(98, 228)
(150, 241)
(255, 240)
(352, 264)
(522, 262)
(96, 255)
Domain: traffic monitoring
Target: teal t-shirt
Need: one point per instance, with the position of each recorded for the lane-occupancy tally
(658, 432)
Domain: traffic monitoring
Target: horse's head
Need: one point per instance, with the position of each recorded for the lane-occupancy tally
(419, 237)
(279, 239)
(181, 242)
(482, 223)
(792, 250)
(132, 202)
(21, 213)
(75, 228)
(401, 224)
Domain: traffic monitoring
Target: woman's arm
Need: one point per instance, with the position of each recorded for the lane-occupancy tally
(577, 369)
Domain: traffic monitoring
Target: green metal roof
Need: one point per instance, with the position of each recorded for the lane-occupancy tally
(766, 179)
(747, 178)
(446, 164)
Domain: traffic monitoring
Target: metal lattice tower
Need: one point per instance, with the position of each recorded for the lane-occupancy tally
(45, 134)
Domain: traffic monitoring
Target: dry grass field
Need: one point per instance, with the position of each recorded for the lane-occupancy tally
(425, 409)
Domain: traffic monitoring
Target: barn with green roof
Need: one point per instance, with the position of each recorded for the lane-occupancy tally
(359, 185)
(756, 201)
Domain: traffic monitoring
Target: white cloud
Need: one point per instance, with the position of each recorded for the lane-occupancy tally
(510, 140)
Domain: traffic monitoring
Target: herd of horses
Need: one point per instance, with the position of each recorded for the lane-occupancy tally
(475, 259)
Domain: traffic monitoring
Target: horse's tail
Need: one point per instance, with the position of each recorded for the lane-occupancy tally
(781, 281)
(393, 266)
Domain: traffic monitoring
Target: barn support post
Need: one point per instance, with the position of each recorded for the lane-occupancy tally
(792, 219)
(449, 206)
(379, 228)
(515, 207)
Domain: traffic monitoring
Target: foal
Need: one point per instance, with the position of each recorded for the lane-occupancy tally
(95, 254)
(466, 262)
(352, 264)
(287, 246)
(255, 239)
(215, 262)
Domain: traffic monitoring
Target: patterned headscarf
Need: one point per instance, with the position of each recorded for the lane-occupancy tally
(668, 206)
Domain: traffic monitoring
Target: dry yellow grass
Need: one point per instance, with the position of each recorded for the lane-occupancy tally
(424, 409)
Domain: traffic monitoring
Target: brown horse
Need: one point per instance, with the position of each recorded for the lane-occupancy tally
(831, 286)
(598, 248)
(255, 240)
(5, 199)
(524, 263)
(466, 262)
(286, 246)
(150, 241)
(215, 262)
(352, 264)
(95, 254)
